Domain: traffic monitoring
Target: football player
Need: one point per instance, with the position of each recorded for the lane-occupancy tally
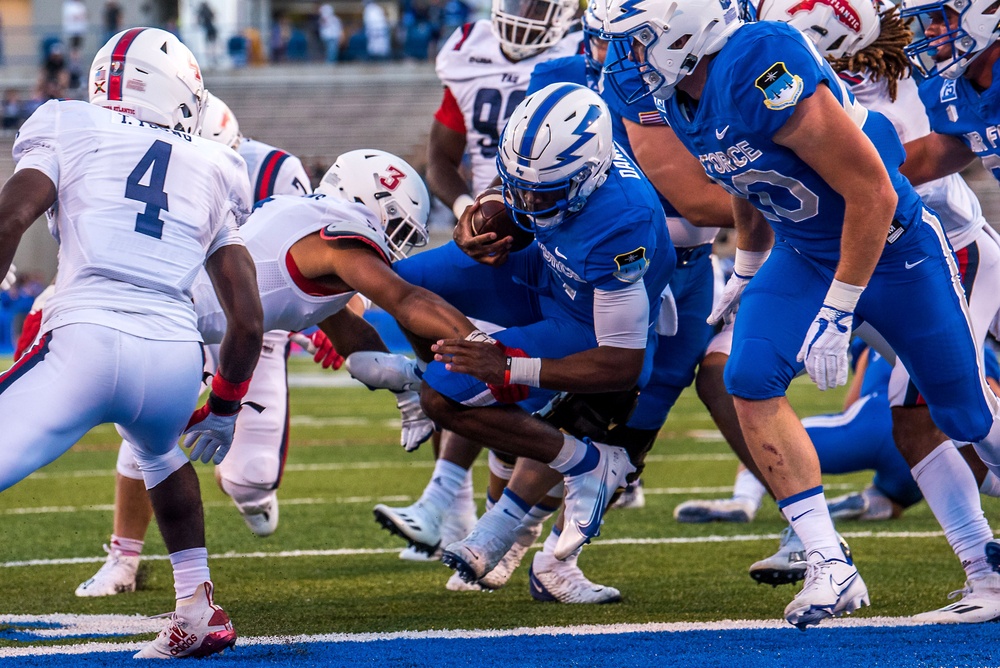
(775, 125)
(133, 232)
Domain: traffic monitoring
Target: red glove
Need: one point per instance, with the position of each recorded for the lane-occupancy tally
(321, 347)
(32, 323)
(507, 393)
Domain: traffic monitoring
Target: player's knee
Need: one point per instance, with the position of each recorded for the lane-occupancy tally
(246, 495)
(127, 466)
(260, 470)
(501, 465)
(157, 468)
(757, 371)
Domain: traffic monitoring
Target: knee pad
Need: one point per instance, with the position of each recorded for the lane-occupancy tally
(245, 496)
(157, 468)
(501, 465)
(756, 370)
(127, 466)
(589, 415)
(260, 471)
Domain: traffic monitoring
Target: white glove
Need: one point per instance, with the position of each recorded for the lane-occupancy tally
(729, 302)
(384, 371)
(209, 435)
(417, 427)
(824, 350)
(10, 279)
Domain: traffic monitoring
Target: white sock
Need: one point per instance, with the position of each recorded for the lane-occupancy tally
(504, 517)
(950, 490)
(748, 488)
(190, 570)
(549, 546)
(991, 485)
(574, 453)
(129, 547)
(464, 503)
(810, 519)
(446, 481)
(537, 515)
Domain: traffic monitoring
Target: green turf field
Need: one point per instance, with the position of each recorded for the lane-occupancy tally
(345, 458)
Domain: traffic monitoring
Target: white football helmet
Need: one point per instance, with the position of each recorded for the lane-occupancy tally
(528, 27)
(975, 31)
(554, 152)
(838, 28)
(675, 35)
(387, 185)
(219, 123)
(149, 74)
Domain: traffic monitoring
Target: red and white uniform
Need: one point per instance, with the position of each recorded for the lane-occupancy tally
(134, 230)
(273, 171)
(482, 87)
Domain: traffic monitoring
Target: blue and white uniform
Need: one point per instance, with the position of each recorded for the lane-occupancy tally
(914, 298)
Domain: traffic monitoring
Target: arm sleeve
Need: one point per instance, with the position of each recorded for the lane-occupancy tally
(448, 114)
(36, 146)
(621, 318)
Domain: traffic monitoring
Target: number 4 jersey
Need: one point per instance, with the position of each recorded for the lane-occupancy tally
(482, 87)
(139, 208)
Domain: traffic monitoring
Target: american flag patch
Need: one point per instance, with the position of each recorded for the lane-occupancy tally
(651, 118)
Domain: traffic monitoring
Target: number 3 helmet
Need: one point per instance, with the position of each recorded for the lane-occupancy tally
(950, 51)
(149, 74)
(528, 27)
(387, 185)
(838, 28)
(219, 123)
(554, 152)
(675, 34)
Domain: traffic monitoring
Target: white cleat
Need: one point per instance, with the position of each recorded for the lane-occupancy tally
(587, 497)
(116, 576)
(632, 498)
(564, 582)
(417, 525)
(786, 566)
(261, 518)
(833, 587)
(980, 603)
(868, 505)
(456, 583)
(477, 554)
(410, 553)
(500, 575)
(698, 511)
(457, 524)
(378, 370)
(196, 628)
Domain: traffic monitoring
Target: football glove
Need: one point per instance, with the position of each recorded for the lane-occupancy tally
(824, 350)
(416, 426)
(209, 432)
(320, 347)
(729, 302)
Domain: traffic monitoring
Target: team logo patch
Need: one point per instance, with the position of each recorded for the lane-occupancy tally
(116, 67)
(631, 265)
(949, 93)
(781, 88)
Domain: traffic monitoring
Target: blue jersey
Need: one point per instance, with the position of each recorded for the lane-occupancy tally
(955, 108)
(752, 88)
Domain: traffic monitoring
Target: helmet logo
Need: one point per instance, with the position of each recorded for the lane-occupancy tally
(842, 9)
(628, 10)
(100, 78)
(116, 67)
(392, 179)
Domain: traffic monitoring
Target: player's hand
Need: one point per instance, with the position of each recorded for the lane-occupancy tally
(378, 370)
(10, 279)
(729, 303)
(209, 432)
(485, 361)
(824, 350)
(320, 347)
(416, 426)
(484, 248)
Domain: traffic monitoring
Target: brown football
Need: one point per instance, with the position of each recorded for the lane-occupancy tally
(490, 214)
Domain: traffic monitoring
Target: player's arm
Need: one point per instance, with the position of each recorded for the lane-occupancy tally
(825, 138)
(25, 197)
(678, 176)
(445, 151)
(351, 333)
(934, 155)
(234, 278)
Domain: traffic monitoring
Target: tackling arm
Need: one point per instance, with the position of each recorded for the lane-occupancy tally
(933, 156)
(234, 278)
(25, 197)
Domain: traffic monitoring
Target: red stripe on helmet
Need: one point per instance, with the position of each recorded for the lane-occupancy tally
(117, 67)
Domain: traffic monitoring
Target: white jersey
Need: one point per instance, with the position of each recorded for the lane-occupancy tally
(289, 301)
(133, 227)
(487, 87)
(950, 197)
(273, 171)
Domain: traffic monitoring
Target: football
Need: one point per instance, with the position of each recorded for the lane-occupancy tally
(489, 214)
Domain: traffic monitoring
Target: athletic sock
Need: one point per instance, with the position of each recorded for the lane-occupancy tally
(576, 456)
(445, 483)
(190, 570)
(748, 488)
(127, 547)
(810, 519)
(504, 518)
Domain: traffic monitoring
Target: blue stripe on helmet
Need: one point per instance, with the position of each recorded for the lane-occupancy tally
(538, 119)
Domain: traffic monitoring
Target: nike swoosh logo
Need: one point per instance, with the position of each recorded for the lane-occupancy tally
(839, 587)
(719, 134)
(595, 517)
(797, 517)
(911, 265)
(556, 251)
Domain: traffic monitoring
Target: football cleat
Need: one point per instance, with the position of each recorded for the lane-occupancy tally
(697, 511)
(262, 518)
(562, 581)
(456, 583)
(418, 525)
(457, 523)
(833, 587)
(869, 505)
(980, 603)
(477, 554)
(116, 576)
(587, 496)
(500, 575)
(197, 628)
(788, 564)
(410, 553)
(632, 497)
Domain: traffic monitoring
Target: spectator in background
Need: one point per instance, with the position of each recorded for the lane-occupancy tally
(377, 34)
(331, 31)
(112, 19)
(75, 24)
(54, 78)
(454, 15)
(206, 19)
(11, 110)
(281, 32)
(1, 41)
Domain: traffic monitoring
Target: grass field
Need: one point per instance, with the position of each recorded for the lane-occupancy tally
(330, 568)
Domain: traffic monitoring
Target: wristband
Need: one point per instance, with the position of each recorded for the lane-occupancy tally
(228, 391)
(843, 296)
(479, 336)
(462, 202)
(746, 263)
(523, 371)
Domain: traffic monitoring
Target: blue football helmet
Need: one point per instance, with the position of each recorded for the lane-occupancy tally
(554, 152)
(960, 30)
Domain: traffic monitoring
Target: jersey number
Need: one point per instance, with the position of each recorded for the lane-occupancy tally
(155, 163)
(486, 117)
(769, 186)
